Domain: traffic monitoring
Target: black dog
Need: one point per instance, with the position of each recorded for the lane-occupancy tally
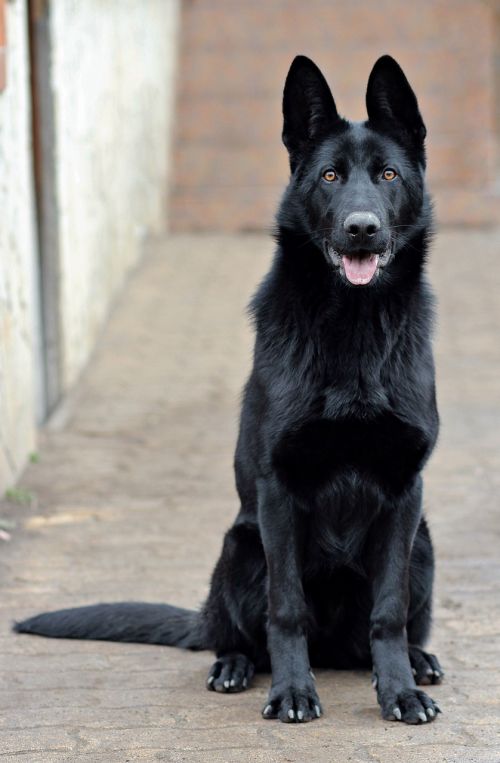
(329, 561)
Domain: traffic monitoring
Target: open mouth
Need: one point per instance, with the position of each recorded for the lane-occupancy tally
(360, 271)
(359, 268)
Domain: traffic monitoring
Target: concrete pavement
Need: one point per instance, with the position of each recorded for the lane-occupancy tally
(134, 488)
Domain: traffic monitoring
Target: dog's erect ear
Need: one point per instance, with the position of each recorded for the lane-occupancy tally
(309, 111)
(391, 102)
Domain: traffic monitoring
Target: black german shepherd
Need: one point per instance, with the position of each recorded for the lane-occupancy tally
(329, 561)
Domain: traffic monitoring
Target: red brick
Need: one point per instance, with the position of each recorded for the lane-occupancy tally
(234, 58)
(199, 165)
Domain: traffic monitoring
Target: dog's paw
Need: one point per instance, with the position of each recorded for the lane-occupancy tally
(230, 673)
(425, 666)
(295, 704)
(409, 706)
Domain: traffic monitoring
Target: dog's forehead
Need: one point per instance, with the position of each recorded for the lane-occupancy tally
(357, 143)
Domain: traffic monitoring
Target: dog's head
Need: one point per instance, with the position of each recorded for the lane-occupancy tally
(356, 188)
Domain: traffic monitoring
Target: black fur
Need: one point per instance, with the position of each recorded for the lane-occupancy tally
(329, 561)
(136, 622)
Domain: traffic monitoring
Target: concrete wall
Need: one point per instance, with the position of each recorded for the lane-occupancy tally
(109, 81)
(112, 75)
(17, 256)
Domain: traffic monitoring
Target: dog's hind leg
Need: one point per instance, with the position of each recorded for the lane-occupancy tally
(425, 666)
(234, 614)
(231, 672)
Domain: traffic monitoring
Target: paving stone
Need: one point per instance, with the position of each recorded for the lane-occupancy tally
(134, 489)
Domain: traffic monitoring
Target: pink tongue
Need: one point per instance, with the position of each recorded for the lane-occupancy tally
(360, 271)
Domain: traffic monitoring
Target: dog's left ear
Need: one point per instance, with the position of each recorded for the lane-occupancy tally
(390, 99)
(309, 111)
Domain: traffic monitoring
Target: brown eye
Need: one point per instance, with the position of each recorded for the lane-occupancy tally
(330, 176)
(389, 174)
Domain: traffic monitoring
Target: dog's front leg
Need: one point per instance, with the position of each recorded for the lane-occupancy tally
(293, 696)
(397, 692)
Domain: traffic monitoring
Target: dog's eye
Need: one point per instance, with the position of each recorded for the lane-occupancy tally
(389, 174)
(330, 176)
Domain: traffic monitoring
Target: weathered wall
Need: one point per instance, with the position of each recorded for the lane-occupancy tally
(17, 256)
(110, 85)
(112, 74)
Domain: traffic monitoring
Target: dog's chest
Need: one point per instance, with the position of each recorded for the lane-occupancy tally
(320, 454)
(338, 527)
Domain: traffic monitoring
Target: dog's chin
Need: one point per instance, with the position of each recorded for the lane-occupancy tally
(358, 268)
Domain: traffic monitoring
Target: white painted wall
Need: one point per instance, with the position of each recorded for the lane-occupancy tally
(113, 79)
(17, 256)
(113, 74)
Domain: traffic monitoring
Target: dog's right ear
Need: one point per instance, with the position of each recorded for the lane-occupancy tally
(309, 111)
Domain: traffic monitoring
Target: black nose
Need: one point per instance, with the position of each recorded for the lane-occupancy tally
(361, 225)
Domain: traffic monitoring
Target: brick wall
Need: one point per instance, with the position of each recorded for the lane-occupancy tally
(229, 164)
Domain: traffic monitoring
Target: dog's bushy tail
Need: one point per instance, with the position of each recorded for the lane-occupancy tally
(125, 621)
